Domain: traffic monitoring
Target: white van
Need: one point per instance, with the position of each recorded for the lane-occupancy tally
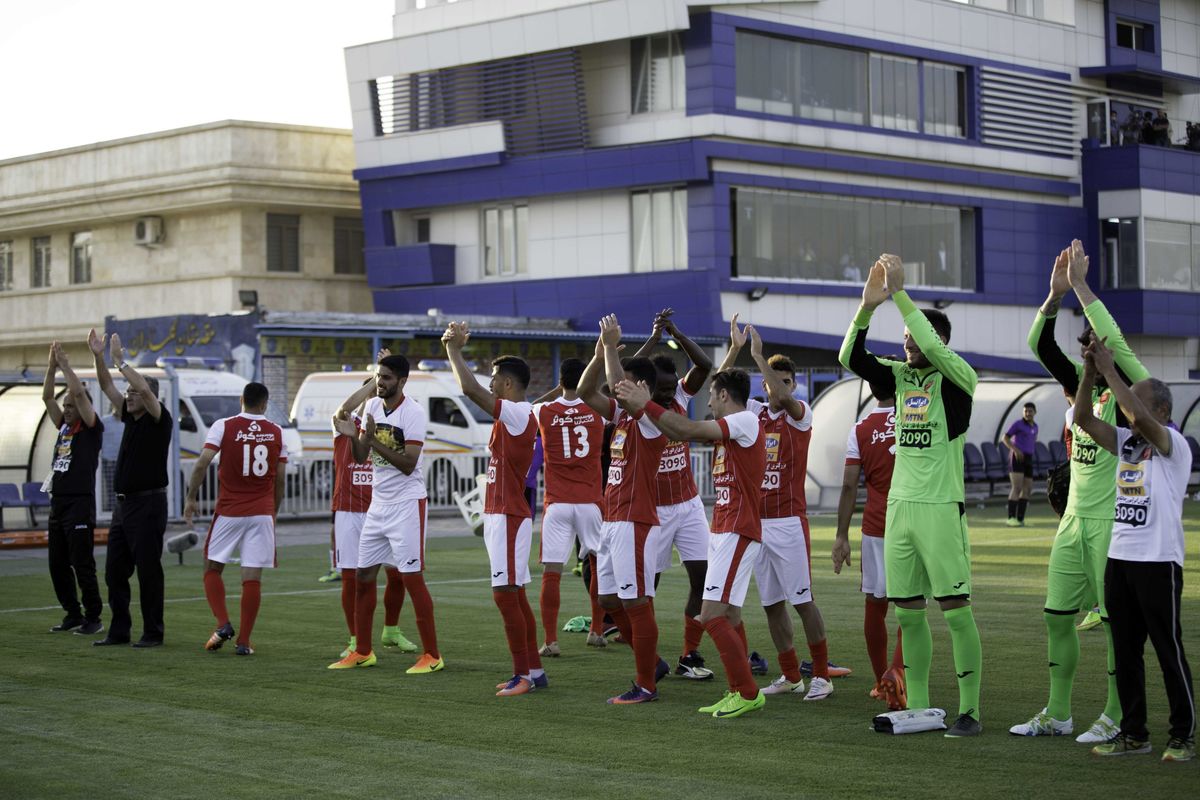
(455, 441)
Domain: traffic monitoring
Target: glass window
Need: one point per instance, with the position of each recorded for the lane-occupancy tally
(1134, 35)
(1121, 268)
(39, 262)
(348, 246)
(659, 229)
(1168, 255)
(283, 243)
(895, 93)
(656, 74)
(443, 411)
(6, 266)
(505, 240)
(1028, 8)
(799, 236)
(213, 407)
(945, 100)
(81, 257)
(421, 224)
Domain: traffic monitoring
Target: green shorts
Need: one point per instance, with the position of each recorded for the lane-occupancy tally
(1077, 559)
(926, 551)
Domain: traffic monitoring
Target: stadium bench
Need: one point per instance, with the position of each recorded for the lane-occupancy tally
(1058, 452)
(33, 494)
(996, 465)
(10, 497)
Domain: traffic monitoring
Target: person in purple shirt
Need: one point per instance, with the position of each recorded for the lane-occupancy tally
(1021, 441)
(531, 477)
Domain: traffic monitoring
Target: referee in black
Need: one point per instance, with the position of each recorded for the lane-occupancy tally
(139, 521)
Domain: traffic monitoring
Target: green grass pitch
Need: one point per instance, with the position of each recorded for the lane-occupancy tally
(179, 722)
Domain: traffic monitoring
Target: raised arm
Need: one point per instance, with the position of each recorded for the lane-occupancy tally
(1141, 419)
(454, 339)
(97, 345)
(83, 400)
(775, 388)
(737, 339)
(656, 331)
(53, 410)
(1101, 432)
(635, 397)
(136, 382)
(1041, 334)
(589, 384)
(361, 395)
(610, 338)
(701, 363)
(854, 355)
(943, 359)
(1130, 369)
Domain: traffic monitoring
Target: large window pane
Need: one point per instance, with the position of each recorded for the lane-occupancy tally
(659, 229)
(895, 93)
(656, 74)
(283, 243)
(799, 236)
(1168, 255)
(491, 241)
(945, 100)
(643, 261)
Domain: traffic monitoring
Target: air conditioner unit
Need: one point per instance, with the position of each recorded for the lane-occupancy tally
(148, 231)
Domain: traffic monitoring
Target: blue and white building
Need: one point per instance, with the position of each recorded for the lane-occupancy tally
(569, 158)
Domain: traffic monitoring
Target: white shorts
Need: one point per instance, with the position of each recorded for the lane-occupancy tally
(684, 525)
(347, 529)
(730, 561)
(394, 534)
(783, 569)
(625, 561)
(561, 523)
(874, 577)
(252, 537)
(508, 538)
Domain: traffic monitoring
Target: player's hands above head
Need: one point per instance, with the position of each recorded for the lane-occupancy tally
(60, 355)
(841, 555)
(1060, 278)
(95, 342)
(756, 350)
(737, 336)
(876, 291)
(895, 272)
(1077, 264)
(456, 336)
(664, 322)
(610, 330)
(115, 350)
(384, 353)
(1099, 355)
(52, 360)
(635, 396)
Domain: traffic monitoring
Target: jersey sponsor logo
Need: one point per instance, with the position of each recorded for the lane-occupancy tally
(389, 436)
(617, 448)
(1131, 480)
(718, 467)
(916, 408)
(62, 455)
(253, 433)
(773, 441)
(919, 438)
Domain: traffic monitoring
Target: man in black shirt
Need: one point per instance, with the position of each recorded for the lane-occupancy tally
(73, 498)
(135, 536)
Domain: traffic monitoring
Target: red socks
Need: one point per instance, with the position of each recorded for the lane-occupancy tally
(349, 587)
(733, 656)
(422, 609)
(621, 619)
(214, 590)
(693, 632)
(251, 600)
(644, 630)
(875, 632)
(820, 658)
(789, 664)
(550, 599)
(364, 616)
(393, 597)
(514, 628)
(531, 646)
(741, 632)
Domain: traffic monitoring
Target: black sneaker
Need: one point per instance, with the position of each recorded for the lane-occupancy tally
(219, 637)
(68, 624)
(143, 643)
(90, 628)
(965, 725)
(244, 650)
(758, 664)
(692, 667)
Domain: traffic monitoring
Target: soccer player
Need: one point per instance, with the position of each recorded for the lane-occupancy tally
(507, 517)
(739, 464)
(1021, 441)
(926, 550)
(871, 453)
(783, 568)
(681, 516)
(352, 481)
(393, 438)
(573, 435)
(626, 562)
(1078, 555)
(251, 490)
(1143, 579)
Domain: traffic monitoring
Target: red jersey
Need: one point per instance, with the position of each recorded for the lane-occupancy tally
(675, 482)
(511, 447)
(252, 448)
(635, 452)
(739, 463)
(787, 441)
(351, 479)
(872, 443)
(572, 441)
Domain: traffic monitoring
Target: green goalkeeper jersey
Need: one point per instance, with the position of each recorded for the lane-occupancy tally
(933, 406)
(1093, 490)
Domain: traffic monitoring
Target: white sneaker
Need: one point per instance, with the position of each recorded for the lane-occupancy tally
(819, 689)
(782, 685)
(1101, 731)
(550, 649)
(1043, 724)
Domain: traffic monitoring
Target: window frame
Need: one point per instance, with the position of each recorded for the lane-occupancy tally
(41, 258)
(81, 258)
(512, 249)
(282, 223)
(6, 265)
(676, 209)
(349, 246)
(642, 84)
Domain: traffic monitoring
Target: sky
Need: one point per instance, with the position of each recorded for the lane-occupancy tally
(82, 71)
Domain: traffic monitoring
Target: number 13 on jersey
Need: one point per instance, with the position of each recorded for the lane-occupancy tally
(582, 448)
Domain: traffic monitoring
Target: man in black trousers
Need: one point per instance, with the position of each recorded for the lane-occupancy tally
(135, 536)
(73, 498)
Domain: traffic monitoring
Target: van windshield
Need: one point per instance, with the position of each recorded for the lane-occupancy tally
(477, 413)
(213, 407)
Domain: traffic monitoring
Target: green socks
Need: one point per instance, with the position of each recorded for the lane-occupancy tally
(1112, 708)
(1062, 649)
(918, 653)
(968, 658)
